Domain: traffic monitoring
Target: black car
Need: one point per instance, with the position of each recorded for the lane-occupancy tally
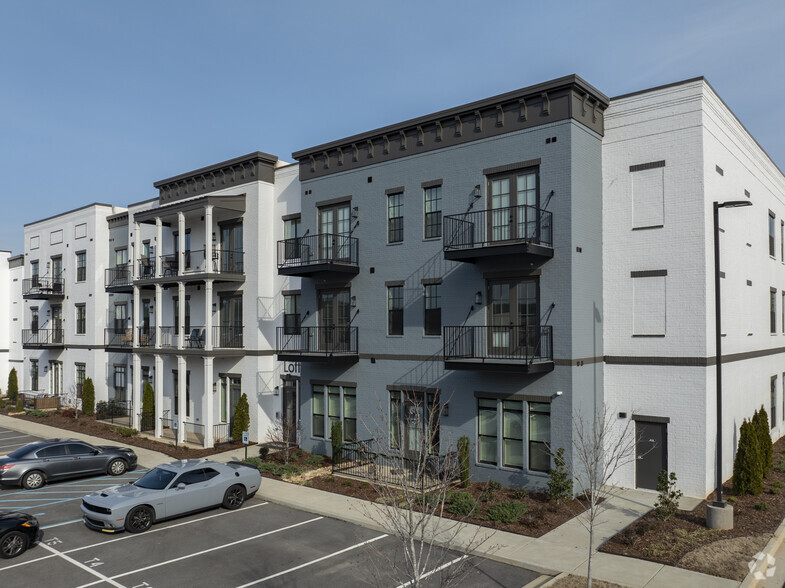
(18, 531)
(35, 464)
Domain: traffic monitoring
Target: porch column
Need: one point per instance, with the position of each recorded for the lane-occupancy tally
(181, 334)
(181, 400)
(208, 315)
(208, 239)
(180, 243)
(158, 312)
(159, 394)
(135, 318)
(158, 240)
(207, 402)
(137, 390)
(135, 273)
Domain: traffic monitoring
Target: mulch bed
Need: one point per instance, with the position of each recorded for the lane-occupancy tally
(89, 426)
(669, 542)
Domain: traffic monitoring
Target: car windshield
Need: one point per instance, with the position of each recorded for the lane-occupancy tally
(156, 479)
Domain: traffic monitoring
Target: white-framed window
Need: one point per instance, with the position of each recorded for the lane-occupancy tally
(81, 266)
(432, 311)
(81, 319)
(773, 402)
(81, 370)
(504, 440)
(773, 311)
(334, 403)
(432, 203)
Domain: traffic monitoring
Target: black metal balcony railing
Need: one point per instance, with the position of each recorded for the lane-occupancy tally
(43, 287)
(43, 337)
(193, 432)
(323, 248)
(146, 336)
(222, 433)
(118, 277)
(146, 268)
(228, 336)
(512, 343)
(498, 226)
(118, 337)
(317, 341)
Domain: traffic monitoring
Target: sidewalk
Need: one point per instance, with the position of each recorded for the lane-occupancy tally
(562, 550)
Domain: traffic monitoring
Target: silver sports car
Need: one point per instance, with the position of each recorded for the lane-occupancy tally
(170, 490)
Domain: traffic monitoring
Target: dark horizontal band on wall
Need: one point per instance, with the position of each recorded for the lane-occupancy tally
(398, 190)
(513, 396)
(647, 227)
(432, 184)
(292, 216)
(650, 419)
(408, 388)
(391, 283)
(290, 292)
(650, 165)
(333, 383)
(431, 281)
(331, 201)
(511, 167)
(649, 273)
(517, 273)
(578, 361)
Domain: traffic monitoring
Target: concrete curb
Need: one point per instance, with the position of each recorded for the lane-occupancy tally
(750, 581)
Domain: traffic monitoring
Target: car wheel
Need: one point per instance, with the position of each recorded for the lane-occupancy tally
(139, 519)
(13, 544)
(117, 467)
(33, 480)
(234, 497)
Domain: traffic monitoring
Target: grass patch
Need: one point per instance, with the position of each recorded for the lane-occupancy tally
(779, 466)
(314, 461)
(39, 414)
(274, 469)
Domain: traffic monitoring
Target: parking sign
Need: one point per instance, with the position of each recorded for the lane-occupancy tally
(245, 437)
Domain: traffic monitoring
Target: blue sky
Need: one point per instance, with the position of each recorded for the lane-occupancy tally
(99, 99)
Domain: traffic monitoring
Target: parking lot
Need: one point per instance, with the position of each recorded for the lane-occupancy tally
(259, 544)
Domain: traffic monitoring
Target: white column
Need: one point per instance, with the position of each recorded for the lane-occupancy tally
(180, 243)
(207, 402)
(208, 315)
(137, 389)
(208, 238)
(158, 313)
(181, 315)
(181, 400)
(159, 393)
(135, 317)
(137, 250)
(158, 240)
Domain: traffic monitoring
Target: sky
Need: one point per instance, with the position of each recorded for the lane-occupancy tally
(101, 98)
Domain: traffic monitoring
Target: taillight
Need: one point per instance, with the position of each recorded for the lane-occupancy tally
(6, 466)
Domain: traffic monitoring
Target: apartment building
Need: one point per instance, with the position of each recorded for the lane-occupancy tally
(11, 357)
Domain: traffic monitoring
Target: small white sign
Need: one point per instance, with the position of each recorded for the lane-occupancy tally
(174, 424)
(245, 437)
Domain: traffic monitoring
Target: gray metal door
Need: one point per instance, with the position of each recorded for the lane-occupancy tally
(651, 453)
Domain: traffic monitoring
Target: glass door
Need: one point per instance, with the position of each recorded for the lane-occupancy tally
(57, 274)
(514, 205)
(56, 378)
(335, 229)
(514, 319)
(334, 319)
(232, 248)
(57, 323)
(231, 322)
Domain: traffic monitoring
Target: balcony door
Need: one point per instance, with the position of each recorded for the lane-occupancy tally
(513, 318)
(56, 378)
(335, 229)
(231, 321)
(57, 274)
(57, 323)
(514, 204)
(334, 319)
(232, 248)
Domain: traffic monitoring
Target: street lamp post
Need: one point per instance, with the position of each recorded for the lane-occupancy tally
(718, 514)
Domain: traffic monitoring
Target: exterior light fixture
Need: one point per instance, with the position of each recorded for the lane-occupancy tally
(478, 297)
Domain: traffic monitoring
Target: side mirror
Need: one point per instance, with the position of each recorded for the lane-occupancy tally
(96, 451)
(181, 486)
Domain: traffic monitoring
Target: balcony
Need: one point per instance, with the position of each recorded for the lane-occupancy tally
(37, 288)
(322, 254)
(119, 279)
(43, 338)
(521, 349)
(118, 338)
(521, 231)
(146, 336)
(318, 344)
(224, 265)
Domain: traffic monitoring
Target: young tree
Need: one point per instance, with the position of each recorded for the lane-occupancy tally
(560, 479)
(242, 418)
(413, 486)
(761, 423)
(88, 397)
(747, 465)
(148, 399)
(13, 385)
(280, 437)
(601, 447)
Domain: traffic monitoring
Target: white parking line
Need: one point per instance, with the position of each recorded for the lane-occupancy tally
(198, 553)
(432, 572)
(312, 562)
(61, 524)
(15, 437)
(87, 569)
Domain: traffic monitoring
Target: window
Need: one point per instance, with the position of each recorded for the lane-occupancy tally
(81, 319)
(782, 241)
(539, 436)
(34, 374)
(773, 311)
(783, 312)
(487, 431)
(414, 421)
(119, 382)
(395, 310)
(773, 400)
(80, 378)
(121, 257)
(291, 313)
(53, 451)
(341, 404)
(433, 309)
(395, 218)
(34, 319)
(771, 234)
(512, 433)
(34, 273)
(433, 212)
(176, 304)
(81, 266)
(120, 318)
(291, 230)
(80, 449)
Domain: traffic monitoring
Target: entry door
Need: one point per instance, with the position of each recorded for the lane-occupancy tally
(334, 309)
(57, 323)
(57, 273)
(289, 413)
(334, 228)
(56, 377)
(231, 321)
(418, 416)
(235, 391)
(651, 453)
(513, 319)
(513, 201)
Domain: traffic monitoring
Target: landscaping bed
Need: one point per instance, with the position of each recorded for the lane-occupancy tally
(684, 541)
(118, 435)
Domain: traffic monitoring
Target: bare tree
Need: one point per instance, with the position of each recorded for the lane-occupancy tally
(413, 479)
(71, 399)
(284, 437)
(601, 447)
